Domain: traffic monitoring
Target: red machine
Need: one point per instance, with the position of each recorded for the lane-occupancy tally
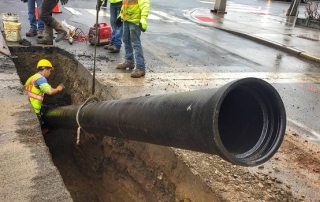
(104, 34)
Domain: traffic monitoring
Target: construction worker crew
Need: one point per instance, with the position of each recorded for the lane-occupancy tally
(37, 85)
(50, 23)
(133, 14)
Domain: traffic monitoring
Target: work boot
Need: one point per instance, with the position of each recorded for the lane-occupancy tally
(40, 34)
(47, 36)
(107, 47)
(137, 73)
(61, 32)
(113, 49)
(31, 32)
(45, 130)
(25, 42)
(125, 65)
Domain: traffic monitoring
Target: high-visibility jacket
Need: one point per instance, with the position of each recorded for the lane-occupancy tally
(35, 94)
(114, 1)
(132, 10)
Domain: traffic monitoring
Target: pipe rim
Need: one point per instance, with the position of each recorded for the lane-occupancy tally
(274, 124)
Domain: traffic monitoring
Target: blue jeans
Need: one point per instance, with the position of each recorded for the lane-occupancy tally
(116, 35)
(132, 45)
(34, 24)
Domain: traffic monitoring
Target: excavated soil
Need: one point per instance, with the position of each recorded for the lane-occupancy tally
(109, 169)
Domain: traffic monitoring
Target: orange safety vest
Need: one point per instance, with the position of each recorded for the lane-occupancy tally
(35, 95)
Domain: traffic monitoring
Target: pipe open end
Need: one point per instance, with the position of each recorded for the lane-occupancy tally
(251, 122)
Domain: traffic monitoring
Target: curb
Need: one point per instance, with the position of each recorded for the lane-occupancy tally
(276, 45)
(263, 41)
(309, 57)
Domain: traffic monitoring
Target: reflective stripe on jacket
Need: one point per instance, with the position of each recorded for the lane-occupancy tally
(35, 94)
(132, 10)
(114, 1)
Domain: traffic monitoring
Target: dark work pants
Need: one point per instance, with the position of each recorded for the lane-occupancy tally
(46, 10)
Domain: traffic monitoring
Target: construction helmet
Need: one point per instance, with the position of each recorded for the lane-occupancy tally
(44, 63)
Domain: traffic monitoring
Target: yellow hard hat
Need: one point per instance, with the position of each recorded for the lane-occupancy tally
(44, 63)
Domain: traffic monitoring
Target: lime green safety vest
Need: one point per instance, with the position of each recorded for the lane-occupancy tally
(35, 94)
(132, 10)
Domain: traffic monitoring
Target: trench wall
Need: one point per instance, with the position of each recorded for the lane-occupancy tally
(114, 169)
(27, 172)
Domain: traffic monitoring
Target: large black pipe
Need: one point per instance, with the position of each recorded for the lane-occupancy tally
(243, 122)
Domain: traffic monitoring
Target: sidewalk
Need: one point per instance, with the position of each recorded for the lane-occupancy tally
(277, 31)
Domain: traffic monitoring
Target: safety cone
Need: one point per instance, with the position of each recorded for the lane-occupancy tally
(56, 9)
(36, 11)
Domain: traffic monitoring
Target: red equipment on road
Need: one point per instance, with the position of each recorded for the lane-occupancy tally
(104, 34)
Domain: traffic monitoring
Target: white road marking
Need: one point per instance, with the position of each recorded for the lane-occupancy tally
(207, 2)
(73, 11)
(231, 6)
(153, 17)
(159, 15)
(170, 17)
(101, 12)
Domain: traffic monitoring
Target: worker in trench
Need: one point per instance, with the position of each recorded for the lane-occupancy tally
(37, 85)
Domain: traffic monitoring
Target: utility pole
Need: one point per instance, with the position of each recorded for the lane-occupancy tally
(293, 9)
(219, 7)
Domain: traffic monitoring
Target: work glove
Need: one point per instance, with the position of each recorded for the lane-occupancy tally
(143, 23)
(63, 2)
(119, 22)
(60, 87)
(99, 3)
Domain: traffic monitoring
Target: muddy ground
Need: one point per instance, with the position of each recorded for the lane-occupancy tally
(111, 169)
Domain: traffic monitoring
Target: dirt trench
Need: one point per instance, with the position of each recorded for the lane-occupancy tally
(109, 169)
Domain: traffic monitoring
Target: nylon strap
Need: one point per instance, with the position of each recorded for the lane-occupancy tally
(92, 97)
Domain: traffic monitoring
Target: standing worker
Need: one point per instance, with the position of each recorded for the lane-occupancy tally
(36, 25)
(37, 85)
(50, 23)
(134, 15)
(116, 36)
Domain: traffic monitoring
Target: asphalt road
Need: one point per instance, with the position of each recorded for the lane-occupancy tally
(182, 55)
